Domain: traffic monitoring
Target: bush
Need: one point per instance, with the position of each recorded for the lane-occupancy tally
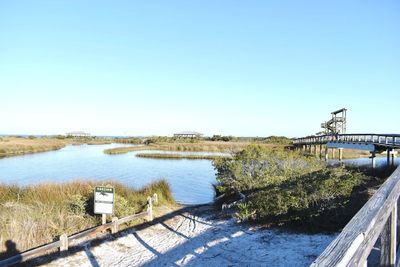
(221, 138)
(284, 187)
(130, 140)
(77, 204)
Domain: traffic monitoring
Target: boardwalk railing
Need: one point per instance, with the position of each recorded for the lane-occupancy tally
(377, 219)
(66, 241)
(392, 140)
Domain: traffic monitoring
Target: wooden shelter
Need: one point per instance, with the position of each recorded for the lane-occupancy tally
(188, 134)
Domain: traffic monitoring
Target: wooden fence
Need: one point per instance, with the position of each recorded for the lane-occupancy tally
(65, 241)
(377, 219)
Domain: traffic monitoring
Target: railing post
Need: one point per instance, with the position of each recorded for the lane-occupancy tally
(150, 209)
(393, 235)
(385, 244)
(155, 198)
(114, 227)
(389, 240)
(64, 243)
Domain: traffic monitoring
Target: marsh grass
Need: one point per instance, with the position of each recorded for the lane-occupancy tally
(13, 146)
(177, 156)
(204, 146)
(19, 146)
(35, 215)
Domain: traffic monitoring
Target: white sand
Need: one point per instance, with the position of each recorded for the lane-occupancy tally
(197, 238)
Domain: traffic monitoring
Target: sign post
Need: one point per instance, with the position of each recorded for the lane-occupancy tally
(104, 201)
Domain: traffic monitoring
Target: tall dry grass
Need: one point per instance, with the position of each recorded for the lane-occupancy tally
(178, 156)
(35, 215)
(203, 146)
(11, 146)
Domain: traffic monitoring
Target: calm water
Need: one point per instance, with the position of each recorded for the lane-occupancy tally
(380, 161)
(191, 180)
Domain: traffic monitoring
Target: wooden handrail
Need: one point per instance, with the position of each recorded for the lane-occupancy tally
(382, 139)
(65, 240)
(377, 218)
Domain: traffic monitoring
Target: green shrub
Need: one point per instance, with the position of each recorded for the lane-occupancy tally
(123, 207)
(287, 187)
(77, 204)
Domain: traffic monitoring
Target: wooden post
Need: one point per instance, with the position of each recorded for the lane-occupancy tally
(150, 209)
(155, 198)
(373, 159)
(64, 243)
(388, 157)
(326, 153)
(114, 227)
(385, 244)
(340, 154)
(320, 151)
(103, 218)
(393, 235)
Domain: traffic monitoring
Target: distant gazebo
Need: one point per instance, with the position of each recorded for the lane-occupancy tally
(188, 134)
(78, 134)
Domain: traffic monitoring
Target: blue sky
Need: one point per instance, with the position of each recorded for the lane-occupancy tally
(247, 68)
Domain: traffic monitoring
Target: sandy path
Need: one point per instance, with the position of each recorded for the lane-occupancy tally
(198, 238)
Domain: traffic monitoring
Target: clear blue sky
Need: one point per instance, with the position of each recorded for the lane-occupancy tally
(249, 68)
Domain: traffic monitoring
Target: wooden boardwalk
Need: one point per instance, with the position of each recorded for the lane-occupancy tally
(374, 143)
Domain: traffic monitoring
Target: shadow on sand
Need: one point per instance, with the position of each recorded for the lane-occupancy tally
(227, 244)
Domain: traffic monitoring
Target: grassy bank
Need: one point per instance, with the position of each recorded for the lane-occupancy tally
(176, 156)
(286, 188)
(201, 146)
(35, 215)
(11, 146)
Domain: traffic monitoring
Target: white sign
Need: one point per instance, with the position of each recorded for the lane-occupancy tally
(103, 200)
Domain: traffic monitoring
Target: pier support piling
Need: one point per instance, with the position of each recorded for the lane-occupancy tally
(320, 151)
(373, 159)
(326, 154)
(388, 157)
(340, 154)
